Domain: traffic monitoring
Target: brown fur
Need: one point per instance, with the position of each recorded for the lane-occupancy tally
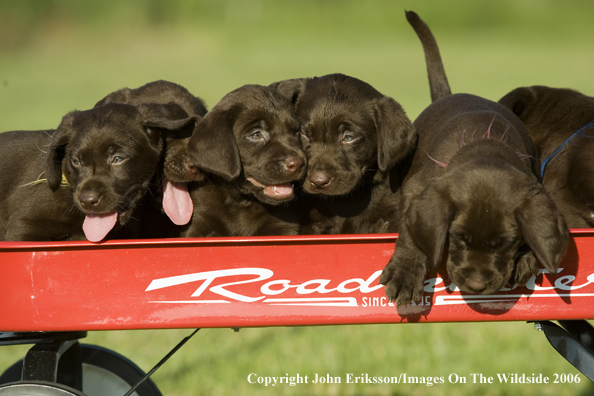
(553, 115)
(176, 161)
(247, 144)
(356, 141)
(108, 155)
(472, 188)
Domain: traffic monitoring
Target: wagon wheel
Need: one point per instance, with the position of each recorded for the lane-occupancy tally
(105, 373)
(37, 388)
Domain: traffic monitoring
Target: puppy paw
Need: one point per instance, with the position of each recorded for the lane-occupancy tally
(403, 282)
(526, 268)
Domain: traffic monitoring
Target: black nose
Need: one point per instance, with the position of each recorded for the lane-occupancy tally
(293, 164)
(89, 199)
(320, 179)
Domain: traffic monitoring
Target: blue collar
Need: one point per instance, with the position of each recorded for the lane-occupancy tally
(544, 163)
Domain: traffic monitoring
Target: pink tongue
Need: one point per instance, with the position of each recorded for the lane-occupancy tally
(177, 202)
(281, 190)
(96, 227)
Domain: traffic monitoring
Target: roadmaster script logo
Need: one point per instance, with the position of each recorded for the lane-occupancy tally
(352, 292)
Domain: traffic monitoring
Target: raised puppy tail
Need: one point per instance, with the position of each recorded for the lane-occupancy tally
(438, 81)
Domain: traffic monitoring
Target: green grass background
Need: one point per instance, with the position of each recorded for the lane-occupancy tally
(61, 55)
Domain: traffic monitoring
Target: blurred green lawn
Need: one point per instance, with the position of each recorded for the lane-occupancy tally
(57, 56)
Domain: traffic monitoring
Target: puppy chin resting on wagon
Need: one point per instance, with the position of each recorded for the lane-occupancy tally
(472, 187)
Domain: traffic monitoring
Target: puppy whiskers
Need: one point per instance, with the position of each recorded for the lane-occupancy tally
(72, 208)
(150, 191)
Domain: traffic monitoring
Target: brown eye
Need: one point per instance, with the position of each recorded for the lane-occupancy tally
(75, 162)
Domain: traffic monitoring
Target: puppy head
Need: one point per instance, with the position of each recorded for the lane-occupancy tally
(177, 166)
(108, 155)
(250, 137)
(552, 116)
(486, 214)
(348, 130)
(160, 91)
(547, 110)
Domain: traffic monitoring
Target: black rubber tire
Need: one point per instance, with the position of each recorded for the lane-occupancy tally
(105, 373)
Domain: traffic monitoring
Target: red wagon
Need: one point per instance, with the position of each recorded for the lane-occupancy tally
(56, 291)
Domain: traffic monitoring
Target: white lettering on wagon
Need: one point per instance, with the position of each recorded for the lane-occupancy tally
(271, 288)
(209, 276)
(561, 283)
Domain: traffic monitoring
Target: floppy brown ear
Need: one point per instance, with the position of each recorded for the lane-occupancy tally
(169, 117)
(57, 149)
(428, 221)
(212, 146)
(520, 101)
(119, 96)
(544, 229)
(290, 89)
(396, 136)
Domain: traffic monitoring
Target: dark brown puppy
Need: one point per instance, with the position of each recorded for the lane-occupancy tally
(561, 123)
(175, 198)
(87, 178)
(248, 145)
(159, 91)
(472, 187)
(355, 140)
(29, 210)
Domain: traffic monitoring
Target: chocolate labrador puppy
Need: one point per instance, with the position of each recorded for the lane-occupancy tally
(175, 198)
(87, 178)
(561, 123)
(159, 91)
(248, 145)
(356, 141)
(29, 210)
(472, 187)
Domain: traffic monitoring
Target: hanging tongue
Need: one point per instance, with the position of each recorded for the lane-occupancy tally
(177, 202)
(96, 227)
(279, 190)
